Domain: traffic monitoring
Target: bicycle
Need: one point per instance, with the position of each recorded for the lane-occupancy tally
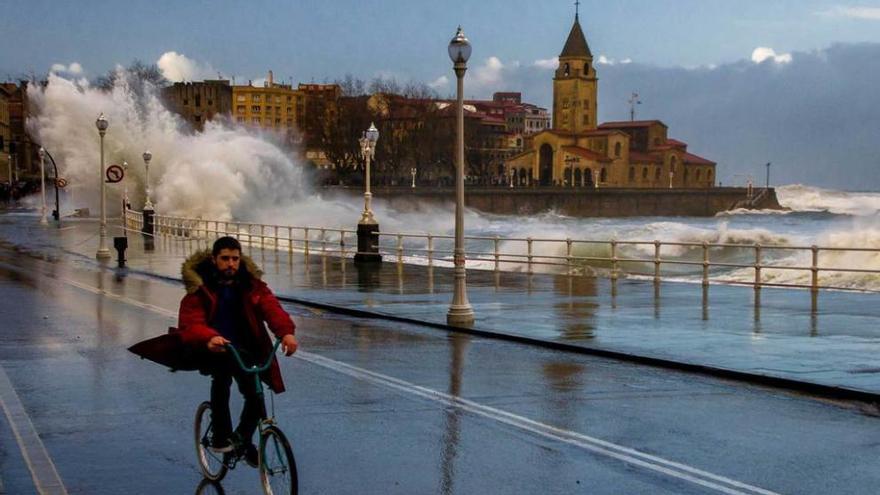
(276, 462)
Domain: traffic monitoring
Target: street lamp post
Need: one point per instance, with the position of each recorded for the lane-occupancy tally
(148, 212)
(768, 175)
(511, 178)
(413, 171)
(124, 187)
(671, 174)
(42, 153)
(103, 252)
(460, 311)
(368, 245)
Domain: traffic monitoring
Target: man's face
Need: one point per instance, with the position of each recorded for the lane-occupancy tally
(227, 261)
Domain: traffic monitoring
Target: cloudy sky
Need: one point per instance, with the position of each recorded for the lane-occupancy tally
(743, 82)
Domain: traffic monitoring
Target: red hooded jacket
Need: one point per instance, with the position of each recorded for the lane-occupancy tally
(261, 308)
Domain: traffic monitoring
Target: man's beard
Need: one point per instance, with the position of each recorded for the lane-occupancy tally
(228, 275)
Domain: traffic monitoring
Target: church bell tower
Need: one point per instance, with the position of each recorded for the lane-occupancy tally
(575, 86)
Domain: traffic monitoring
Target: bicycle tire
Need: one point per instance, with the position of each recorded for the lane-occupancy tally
(212, 467)
(277, 464)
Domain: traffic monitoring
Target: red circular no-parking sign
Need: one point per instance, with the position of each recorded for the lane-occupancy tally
(115, 174)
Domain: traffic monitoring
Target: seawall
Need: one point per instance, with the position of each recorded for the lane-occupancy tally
(581, 202)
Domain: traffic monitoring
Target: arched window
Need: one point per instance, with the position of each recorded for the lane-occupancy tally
(617, 150)
(566, 70)
(603, 176)
(632, 173)
(586, 68)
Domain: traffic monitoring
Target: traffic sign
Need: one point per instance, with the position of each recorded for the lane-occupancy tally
(61, 182)
(115, 173)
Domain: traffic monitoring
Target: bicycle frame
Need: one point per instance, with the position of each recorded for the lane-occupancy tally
(255, 371)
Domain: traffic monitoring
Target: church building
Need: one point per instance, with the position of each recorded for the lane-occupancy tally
(578, 151)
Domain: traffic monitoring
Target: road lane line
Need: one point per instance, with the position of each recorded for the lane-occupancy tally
(632, 456)
(43, 471)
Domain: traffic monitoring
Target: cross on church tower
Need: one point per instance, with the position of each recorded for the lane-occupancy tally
(577, 4)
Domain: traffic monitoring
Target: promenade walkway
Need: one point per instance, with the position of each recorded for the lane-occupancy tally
(773, 333)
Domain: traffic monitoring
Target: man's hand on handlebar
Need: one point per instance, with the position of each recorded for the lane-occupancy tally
(218, 343)
(289, 344)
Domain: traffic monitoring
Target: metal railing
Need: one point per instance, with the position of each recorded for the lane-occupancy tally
(708, 263)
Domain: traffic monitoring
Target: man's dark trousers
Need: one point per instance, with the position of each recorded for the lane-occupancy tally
(225, 371)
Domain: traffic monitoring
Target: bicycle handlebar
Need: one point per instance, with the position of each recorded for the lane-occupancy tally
(253, 369)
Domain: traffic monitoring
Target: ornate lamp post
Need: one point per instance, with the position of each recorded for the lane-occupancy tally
(511, 177)
(124, 187)
(148, 205)
(103, 252)
(42, 153)
(147, 227)
(413, 171)
(460, 311)
(368, 248)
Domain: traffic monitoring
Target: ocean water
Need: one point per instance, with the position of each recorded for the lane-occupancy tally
(230, 172)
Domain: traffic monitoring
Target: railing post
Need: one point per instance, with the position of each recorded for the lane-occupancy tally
(306, 241)
(342, 244)
(276, 237)
(814, 284)
(614, 259)
(705, 263)
(656, 261)
(399, 248)
(290, 240)
(529, 253)
(758, 262)
(430, 249)
(568, 253)
(497, 257)
(323, 242)
(262, 237)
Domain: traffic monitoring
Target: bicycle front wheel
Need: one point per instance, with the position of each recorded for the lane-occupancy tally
(210, 463)
(277, 465)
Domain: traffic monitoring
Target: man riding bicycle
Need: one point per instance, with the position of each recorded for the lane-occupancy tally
(228, 303)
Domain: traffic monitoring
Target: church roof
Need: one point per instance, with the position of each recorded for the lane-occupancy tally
(630, 123)
(576, 45)
(691, 158)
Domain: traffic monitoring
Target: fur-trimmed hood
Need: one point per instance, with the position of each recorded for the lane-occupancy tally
(198, 267)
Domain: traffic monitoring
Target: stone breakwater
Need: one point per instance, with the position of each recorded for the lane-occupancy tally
(583, 202)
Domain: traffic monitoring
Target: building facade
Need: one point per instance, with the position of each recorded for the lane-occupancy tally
(578, 151)
(5, 135)
(199, 102)
(272, 106)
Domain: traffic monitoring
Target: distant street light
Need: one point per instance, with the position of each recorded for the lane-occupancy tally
(512, 172)
(460, 311)
(42, 153)
(103, 253)
(768, 175)
(368, 152)
(148, 205)
(413, 171)
(124, 188)
(368, 227)
(633, 101)
(671, 174)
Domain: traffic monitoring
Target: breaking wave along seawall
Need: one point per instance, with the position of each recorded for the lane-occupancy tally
(229, 172)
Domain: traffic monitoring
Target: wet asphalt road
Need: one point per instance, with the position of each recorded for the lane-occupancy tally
(379, 407)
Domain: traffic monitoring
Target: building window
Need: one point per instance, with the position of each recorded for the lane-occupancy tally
(255, 98)
(198, 100)
(617, 150)
(586, 120)
(644, 173)
(657, 173)
(586, 68)
(197, 118)
(709, 174)
(277, 99)
(240, 109)
(185, 102)
(210, 102)
(240, 98)
(255, 120)
(632, 173)
(240, 119)
(586, 104)
(255, 108)
(566, 70)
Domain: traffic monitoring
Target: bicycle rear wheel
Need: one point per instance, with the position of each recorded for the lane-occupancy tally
(277, 465)
(210, 463)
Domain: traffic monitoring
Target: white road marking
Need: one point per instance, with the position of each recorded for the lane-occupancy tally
(45, 476)
(632, 456)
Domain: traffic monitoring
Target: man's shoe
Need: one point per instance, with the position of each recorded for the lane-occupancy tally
(221, 445)
(250, 455)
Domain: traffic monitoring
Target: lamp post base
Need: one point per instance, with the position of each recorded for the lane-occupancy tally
(460, 316)
(368, 244)
(103, 254)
